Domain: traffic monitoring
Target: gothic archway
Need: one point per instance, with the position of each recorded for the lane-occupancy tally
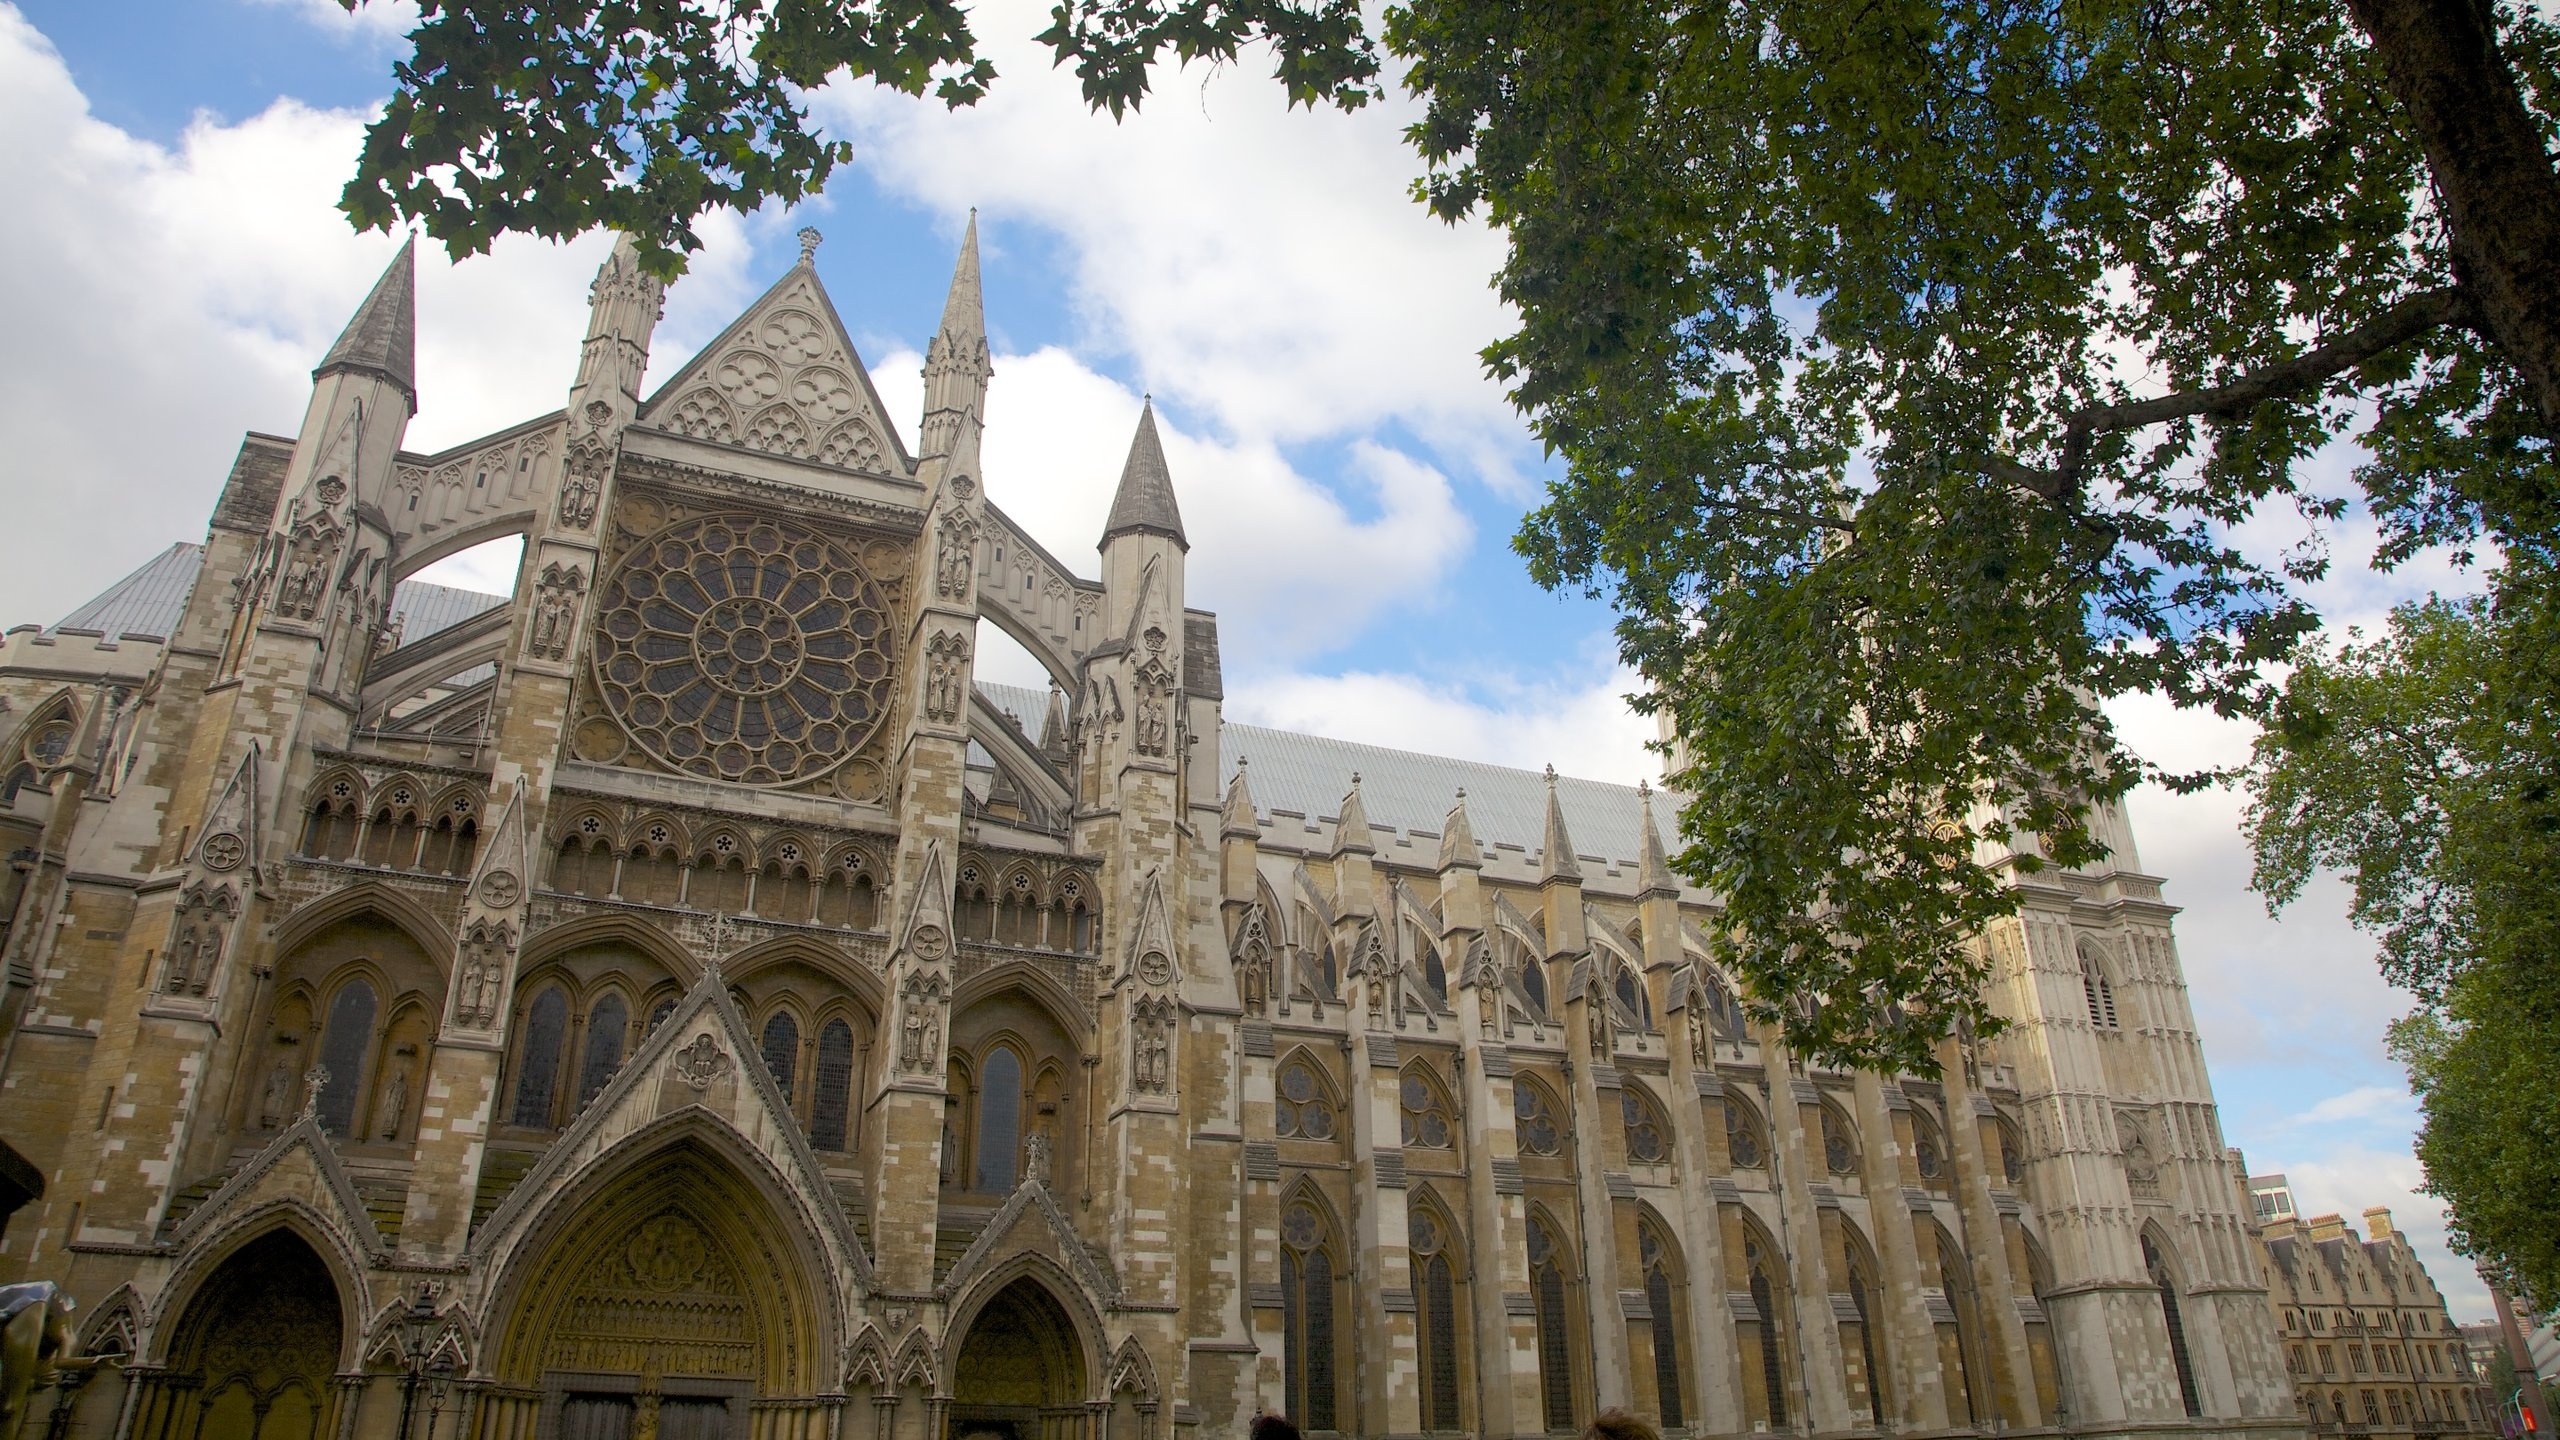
(1021, 1369)
(255, 1350)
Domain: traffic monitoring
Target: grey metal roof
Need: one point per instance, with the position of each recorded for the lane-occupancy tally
(147, 602)
(1406, 791)
(1310, 773)
(150, 601)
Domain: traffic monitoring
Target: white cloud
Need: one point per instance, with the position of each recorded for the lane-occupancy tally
(1585, 731)
(162, 300)
(2385, 1103)
(376, 22)
(1264, 267)
(1290, 570)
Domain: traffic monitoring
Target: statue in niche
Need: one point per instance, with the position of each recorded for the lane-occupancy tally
(279, 1095)
(394, 1109)
(957, 559)
(1488, 1008)
(1035, 1157)
(1701, 1038)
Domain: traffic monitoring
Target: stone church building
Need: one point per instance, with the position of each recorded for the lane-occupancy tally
(680, 1001)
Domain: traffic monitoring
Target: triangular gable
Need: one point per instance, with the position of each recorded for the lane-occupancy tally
(785, 379)
(301, 1167)
(700, 1058)
(229, 838)
(1153, 934)
(1044, 1228)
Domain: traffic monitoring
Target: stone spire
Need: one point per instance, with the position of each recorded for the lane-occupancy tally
(956, 367)
(1654, 877)
(1458, 847)
(1351, 833)
(1237, 816)
(382, 339)
(1558, 863)
(1144, 501)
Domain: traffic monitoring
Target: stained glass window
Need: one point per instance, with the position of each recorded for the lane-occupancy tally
(1426, 1120)
(1652, 1252)
(1533, 981)
(1555, 1347)
(2178, 1330)
(1302, 1111)
(1306, 1299)
(1437, 1284)
(999, 1120)
(1839, 1152)
(545, 1023)
(1742, 1136)
(1867, 1344)
(1764, 1302)
(750, 650)
(345, 1042)
(1647, 1142)
(1536, 1121)
(606, 1024)
(834, 1085)
(782, 1049)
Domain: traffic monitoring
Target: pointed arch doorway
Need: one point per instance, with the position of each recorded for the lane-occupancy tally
(1021, 1371)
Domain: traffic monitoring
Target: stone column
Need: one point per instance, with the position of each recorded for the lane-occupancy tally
(1910, 1340)
(1793, 1142)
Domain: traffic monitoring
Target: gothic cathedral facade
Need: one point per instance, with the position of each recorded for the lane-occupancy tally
(682, 999)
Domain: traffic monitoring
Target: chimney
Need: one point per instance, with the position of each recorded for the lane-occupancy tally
(2377, 1222)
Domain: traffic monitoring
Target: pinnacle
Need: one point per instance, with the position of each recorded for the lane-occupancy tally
(1238, 817)
(383, 336)
(1145, 500)
(1458, 848)
(1558, 863)
(964, 310)
(1351, 834)
(1654, 876)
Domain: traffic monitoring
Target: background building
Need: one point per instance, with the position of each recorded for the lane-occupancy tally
(679, 1000)
(2367, 1339)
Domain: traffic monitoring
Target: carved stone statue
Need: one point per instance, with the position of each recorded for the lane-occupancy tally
(35, 1344)
(1035, 1157)
(279, 1094)
(394, 1110)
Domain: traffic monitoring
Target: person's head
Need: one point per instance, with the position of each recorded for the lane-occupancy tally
(1620, 1425)
(1267, 1426)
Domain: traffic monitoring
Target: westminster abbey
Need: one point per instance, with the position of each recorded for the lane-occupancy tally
(681, 1001)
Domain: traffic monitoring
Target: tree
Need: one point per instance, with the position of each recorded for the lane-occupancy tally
(1911, 362)
(2425, 766)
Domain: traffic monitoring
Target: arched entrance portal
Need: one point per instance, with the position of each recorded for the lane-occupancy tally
(255, 1350)
(660, 1305)
(1021, 1372)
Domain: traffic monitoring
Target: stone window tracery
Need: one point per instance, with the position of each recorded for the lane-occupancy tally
(1648, 1137)
(1742, 1142)
(744, 649)
(1306, 1312)
(1436, 1285)
(1535, 1121)
(1426, 1116)
(606, 1026)
(1303, 1111)
(1654, 1256)
(1555, 1346)
(1839, 1148)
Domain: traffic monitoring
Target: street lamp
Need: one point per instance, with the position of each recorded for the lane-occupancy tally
(418, 1325)
(439, 1381)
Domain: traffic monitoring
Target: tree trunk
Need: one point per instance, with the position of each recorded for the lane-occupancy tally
(2500, 195)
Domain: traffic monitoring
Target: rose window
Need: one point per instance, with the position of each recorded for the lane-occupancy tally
(747, 650)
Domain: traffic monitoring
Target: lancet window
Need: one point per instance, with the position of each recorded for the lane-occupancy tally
(1436, 1297)
(1534, 1119)
(1307, 1271)
(1654, 1254)
(1555, 1330)
(1648, 1134)
(2169, 1316)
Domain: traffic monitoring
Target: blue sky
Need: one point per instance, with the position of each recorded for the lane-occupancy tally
(1350, 478)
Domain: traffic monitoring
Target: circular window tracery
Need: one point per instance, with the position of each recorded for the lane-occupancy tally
(748, 650)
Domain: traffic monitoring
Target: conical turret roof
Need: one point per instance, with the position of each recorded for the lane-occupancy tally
(1145, 501)
(383, 337)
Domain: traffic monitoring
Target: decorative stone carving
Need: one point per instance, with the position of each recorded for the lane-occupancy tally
(224, 851)
(702, 1062)
(1151, 1045)
(2141, 1165)
(956, 556)
(1035, 1158)
(920, 1023)
(1154, 730)
(1253, 962)
(500, 889)
(311, 553)
(278, 1095)
(393, 1112)
(1155, 969)
(946, 681)
(555, 610)
(583, 472)
(488, 950)
(197, 935)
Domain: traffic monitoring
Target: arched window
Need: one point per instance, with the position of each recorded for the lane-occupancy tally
(1648, 1136)
(1436, 1291)
(1303, 1112)
(1426, 1116)
(1631, 994)
(1555, 1342)
(1839, 1142)
(606, 1025)
(1928, 1152)
(1766, 1330)
(345, 1043)
(1653, 1253)
(782, 1049)
(1955, 1279)
(1435, 974)
(546, 1024)
(2093, 981)
(1859, 1291)
(999, 1119)
(1533, 983)
(2177, 1328)
(1306, 1318)
(1742, 1142)
(1535, 1119)
(2013, 1155)
(833, 1100)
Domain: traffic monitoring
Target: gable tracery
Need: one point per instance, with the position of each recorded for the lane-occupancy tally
(784, 382)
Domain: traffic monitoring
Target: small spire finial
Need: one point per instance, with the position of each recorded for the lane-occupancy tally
(1462, 792)
(1644, 789)
(1355, 779)
(809, 241)
(1551, 776)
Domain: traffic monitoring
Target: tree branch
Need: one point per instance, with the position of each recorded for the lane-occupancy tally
(2406, 321)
